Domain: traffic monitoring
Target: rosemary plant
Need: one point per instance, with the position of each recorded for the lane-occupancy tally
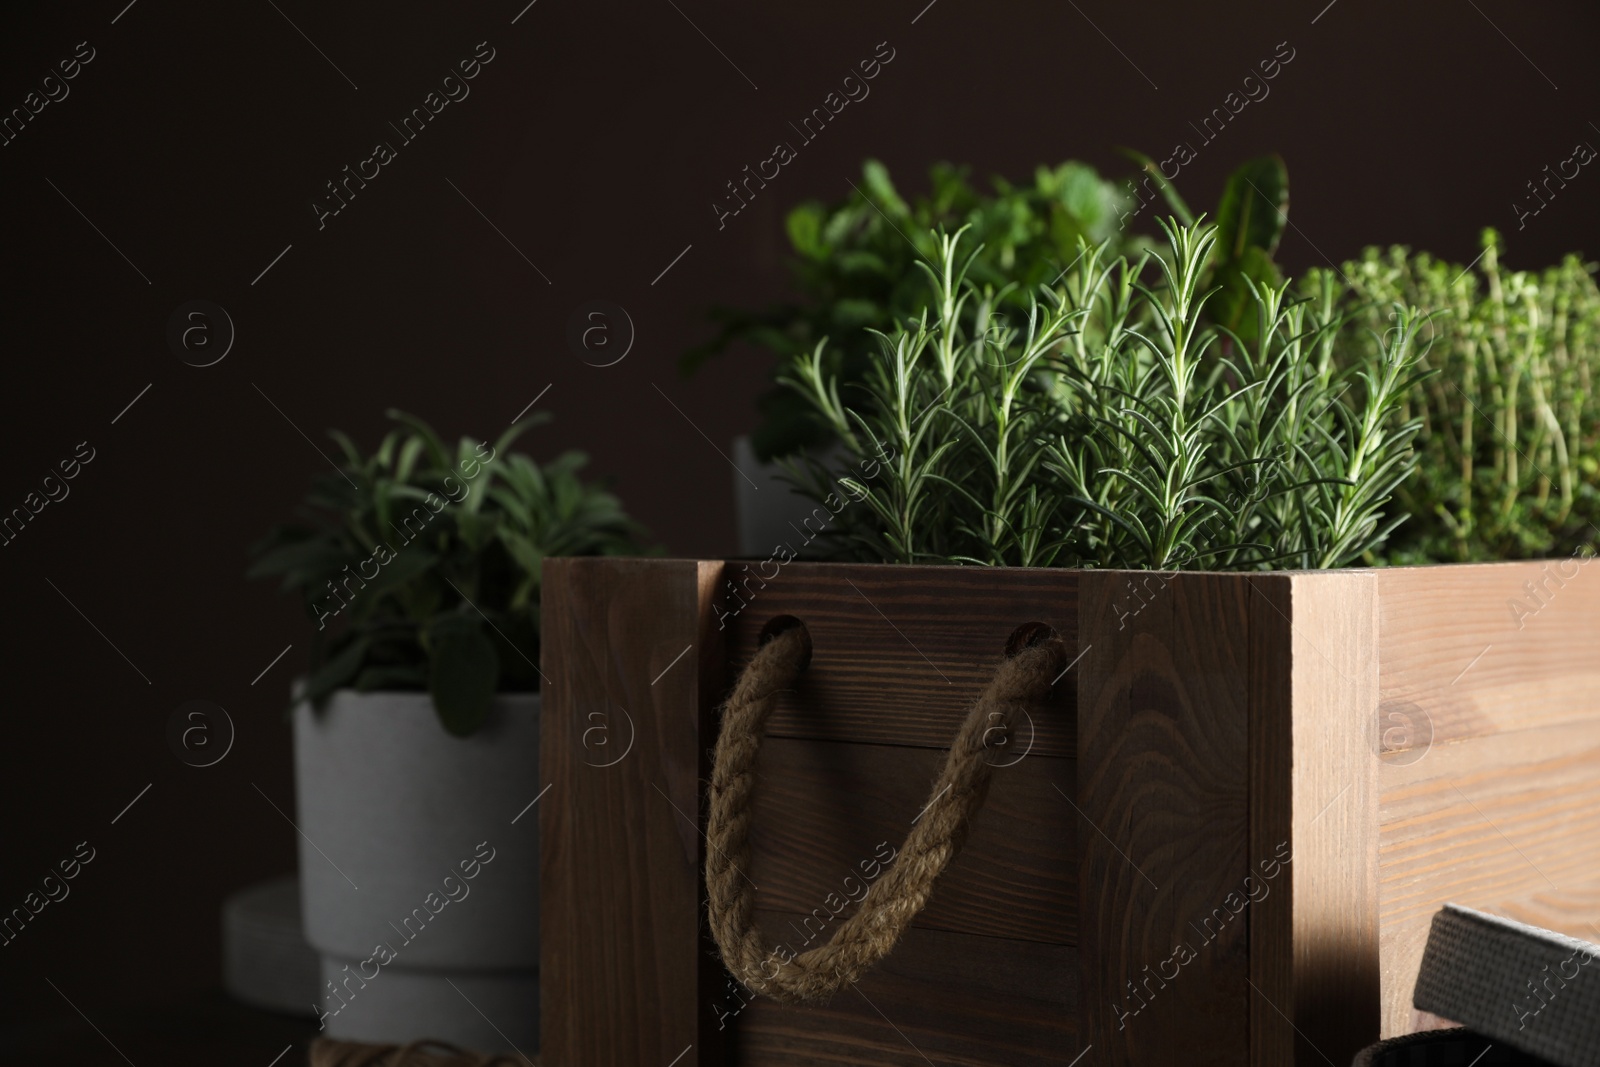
(1510, 448)
(1112, 425)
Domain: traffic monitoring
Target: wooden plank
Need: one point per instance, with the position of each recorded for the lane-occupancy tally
(1573, 909)
(1314, 920)
(900, 653)
(1488, 680)
(950, 999)
(1460, 659)
(1272, 788)
(621, 849)
(1163, 840)
(712, 683)
(823, 808)
(1508, 824)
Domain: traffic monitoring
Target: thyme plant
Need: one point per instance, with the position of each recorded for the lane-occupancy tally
(1114, 425)
(1510, 448)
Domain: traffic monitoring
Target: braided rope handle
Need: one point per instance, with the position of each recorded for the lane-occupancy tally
(901, 892)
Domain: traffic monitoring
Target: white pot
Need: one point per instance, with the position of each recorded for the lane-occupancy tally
(418, 891)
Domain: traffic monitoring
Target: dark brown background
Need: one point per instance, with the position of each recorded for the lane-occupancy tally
(595, 141)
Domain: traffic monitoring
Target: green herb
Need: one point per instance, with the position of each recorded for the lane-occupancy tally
(855, 263)
(1511, 439)
(420, 566)
(1112, 424)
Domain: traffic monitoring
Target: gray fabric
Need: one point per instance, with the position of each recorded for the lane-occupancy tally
(1532, 989)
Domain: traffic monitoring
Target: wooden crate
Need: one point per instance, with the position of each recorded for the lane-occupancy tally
(1285, 774)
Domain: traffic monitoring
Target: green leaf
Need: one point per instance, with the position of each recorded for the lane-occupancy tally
(516, 430)
(1233, 306)
(300, 556)
(408, 564)
(805, 230)
(881, 191)
(407, 461)
(1082, 193)
(338, 671)
(851, 314)
(463, 670)
(347, 447)
(1250, 222)
(430, 439)
(861, 263)
(1254, 209)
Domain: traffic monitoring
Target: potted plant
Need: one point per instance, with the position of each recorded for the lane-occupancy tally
(416, 730)
(1235, 772)
(854, 269)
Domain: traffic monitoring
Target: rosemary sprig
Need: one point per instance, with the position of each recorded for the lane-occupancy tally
(1115, 426)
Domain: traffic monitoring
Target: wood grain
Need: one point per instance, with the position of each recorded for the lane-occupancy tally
(621, 848)
(1314, 929)
(1272, 788)
(1457, 661)
(824, 807)
(1489, 793)
(1508, 824)
(1163, 784)
(1573, 909)
(1210, 718)
(710, 662)
(900, 653)
(944, 998)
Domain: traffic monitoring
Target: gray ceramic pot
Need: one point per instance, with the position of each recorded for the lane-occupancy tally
(419, 891)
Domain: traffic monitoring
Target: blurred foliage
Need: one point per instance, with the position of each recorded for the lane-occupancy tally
(420, 565)
(855, 262)
(1510, 444)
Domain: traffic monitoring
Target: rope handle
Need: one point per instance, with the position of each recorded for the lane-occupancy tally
(1034, 661)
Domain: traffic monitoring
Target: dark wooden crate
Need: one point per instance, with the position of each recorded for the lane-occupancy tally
(1211, 723)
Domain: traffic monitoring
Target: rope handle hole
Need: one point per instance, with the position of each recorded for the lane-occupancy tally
(779, 624)
(1029, 635)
